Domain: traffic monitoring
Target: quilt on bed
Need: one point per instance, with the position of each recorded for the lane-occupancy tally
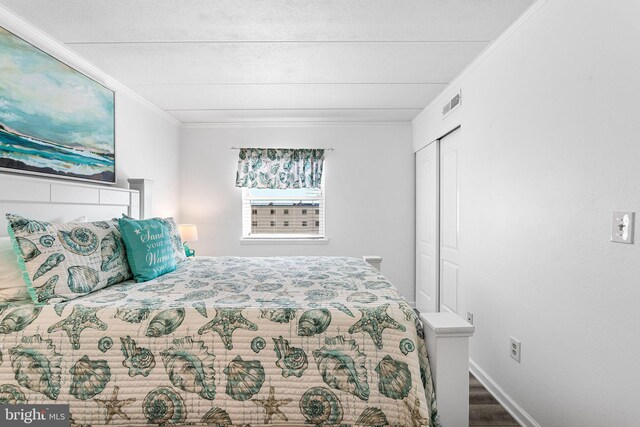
(226, 341)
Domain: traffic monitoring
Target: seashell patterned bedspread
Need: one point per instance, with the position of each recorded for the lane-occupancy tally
(226, 341)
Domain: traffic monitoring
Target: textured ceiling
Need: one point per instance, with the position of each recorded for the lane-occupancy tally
(207, 61)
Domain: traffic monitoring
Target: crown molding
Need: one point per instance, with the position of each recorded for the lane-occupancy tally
(231, 125)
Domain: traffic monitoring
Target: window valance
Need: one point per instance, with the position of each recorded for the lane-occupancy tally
(280, 168)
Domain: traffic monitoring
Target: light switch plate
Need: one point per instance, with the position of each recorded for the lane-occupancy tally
(622, 225)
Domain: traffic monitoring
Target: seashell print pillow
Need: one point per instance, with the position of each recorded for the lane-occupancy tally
(61, 262)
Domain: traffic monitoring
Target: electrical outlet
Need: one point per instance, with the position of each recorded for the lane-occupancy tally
(470, 317)
(515, 349)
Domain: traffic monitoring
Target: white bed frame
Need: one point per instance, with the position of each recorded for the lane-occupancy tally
(62, 201)
(447, 338)
(447, 335)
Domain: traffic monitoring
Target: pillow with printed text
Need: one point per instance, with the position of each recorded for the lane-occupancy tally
(150, 250)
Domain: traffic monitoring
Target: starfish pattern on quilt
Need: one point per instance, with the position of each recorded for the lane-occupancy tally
(80, 318)
(374, 321)
(46, 291)
(114, 405)
(272, 406)
(416, 417)
(226, 321)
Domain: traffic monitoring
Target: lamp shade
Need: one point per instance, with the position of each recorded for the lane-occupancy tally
(188, 232)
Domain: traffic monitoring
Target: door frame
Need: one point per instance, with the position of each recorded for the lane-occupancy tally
(434, 299)
(444, 250)
(436, 141)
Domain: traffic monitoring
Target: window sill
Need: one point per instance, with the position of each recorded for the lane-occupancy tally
(282, 241)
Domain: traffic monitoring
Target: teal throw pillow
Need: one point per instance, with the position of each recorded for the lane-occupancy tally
(149, 248)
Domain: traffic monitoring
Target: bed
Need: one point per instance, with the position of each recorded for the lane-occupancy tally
(229, 341)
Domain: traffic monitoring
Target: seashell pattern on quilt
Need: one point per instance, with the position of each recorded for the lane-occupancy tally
(220, 341)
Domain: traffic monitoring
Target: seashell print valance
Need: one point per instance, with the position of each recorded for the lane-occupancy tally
(280, 168)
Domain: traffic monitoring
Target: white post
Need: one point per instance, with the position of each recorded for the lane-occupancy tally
(144, 186)
(374, 260)
(447, 338)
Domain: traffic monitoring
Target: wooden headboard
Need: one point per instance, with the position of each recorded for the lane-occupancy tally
(61, 201)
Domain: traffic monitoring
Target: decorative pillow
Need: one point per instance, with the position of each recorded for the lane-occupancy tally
(61, 262)
(12, 286)
(149, 248)
(176, 240)
(174, 235)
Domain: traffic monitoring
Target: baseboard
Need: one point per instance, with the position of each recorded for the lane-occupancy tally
(502, 397)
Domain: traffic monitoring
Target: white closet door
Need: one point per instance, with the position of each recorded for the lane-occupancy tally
(449, 221)
(427, 228)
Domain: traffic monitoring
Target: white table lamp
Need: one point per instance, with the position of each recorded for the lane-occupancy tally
(188, 233)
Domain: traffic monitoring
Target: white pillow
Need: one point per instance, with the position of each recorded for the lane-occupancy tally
(12, 286)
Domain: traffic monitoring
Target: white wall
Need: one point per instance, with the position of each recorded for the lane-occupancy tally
(552, 146)
(369, 191)
(148, 146)
(147, 139)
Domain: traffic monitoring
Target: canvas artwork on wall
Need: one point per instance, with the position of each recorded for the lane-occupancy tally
(54, 120)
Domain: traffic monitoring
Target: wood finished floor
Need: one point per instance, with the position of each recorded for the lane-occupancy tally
(484, 409)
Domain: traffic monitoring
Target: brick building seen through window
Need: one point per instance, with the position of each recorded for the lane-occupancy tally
(284, 213)
(293, 219)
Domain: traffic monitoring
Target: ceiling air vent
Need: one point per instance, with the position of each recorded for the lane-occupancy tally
(452, 104)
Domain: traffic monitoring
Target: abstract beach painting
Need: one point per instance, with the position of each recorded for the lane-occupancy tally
(54, 120)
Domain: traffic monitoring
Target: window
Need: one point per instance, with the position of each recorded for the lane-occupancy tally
(284, 209)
